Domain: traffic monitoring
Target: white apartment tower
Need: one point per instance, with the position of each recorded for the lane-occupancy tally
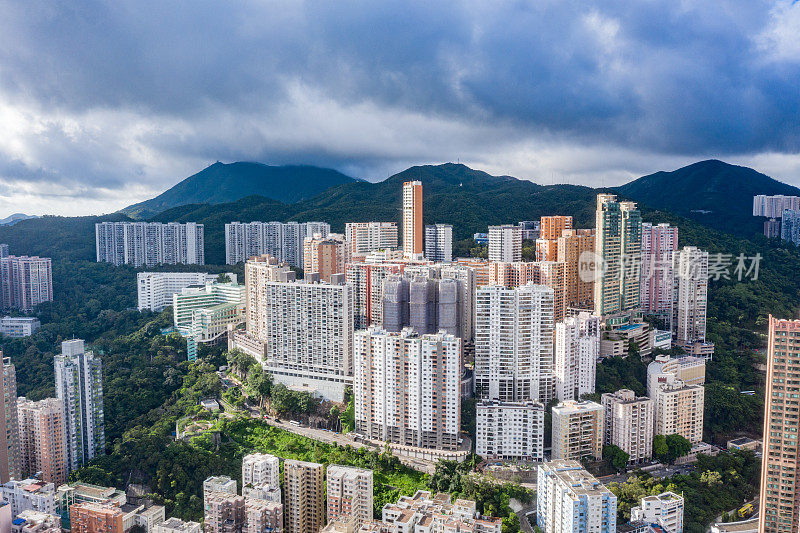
(679, 409)
(570, 500)
(10, 460)
(510, 430)
(149, 243)
(25, 282)
(665, 509)
(577, 347)
(155, 289)
(366, 237)
(406, 387)
(505, 243)
(514, 343)
(412, 219)
(79, 386)
(261, 477)
(349, 494)
(439, 243)
(691, 295)
(283, 240)
(628, 423)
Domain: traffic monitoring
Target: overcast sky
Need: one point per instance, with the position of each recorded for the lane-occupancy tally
(103, 104)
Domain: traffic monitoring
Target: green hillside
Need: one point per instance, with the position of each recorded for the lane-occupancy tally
(220, 183)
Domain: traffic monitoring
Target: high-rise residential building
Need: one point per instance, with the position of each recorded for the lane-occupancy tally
(325, 255)
(301, 331)
(412, 219)
(549, 273)
(628, 423)
(427, 305)
(779, 507)
(19, 326)
(79, 386)
(505, 243)
(204, 314)
(773, 206)
(219, 485)
(790, 226)
(570, 500)
(29, 494)
(155, 289)
(43, 439)
(366, 279)
(691, 301)
(514, 343)
(618, 251)
(304, 505)
(10, 461)
(679, 409)
(574, 246)
(95, 518)
(261, 477)
(349, 493)
(688, 369)
(577, 347)
(150, 243)
(554, 226)
(283, 240)
(659, 244)
(439, 243)
(262, 516)
(25, 282)
(424, 512)
(176, 525)
(510, 430)
(664, 510)
(531, 229)
(223, 512)
(577, 430)
(366, 237)
(406, 387)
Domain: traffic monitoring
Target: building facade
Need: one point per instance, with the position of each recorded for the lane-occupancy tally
(510, 430)
(573, 247)
(665, 510)
(679, 409)
(79, 387)
(505, 243)
(325, 255)
(25, 282)
(43, 439)
(628, 423)
(577, 347)
(406, 388)
(514, 343)
(19, 326)
(282, 240)
(150, 243)
(691, 296)
(10, 461)
(772, 206)
(570, 500)
(428, 305)
(366, 237)
(659, 244)
(412, 219)
(577, 430)
(155, 289)
(349, 494)
(304, 506)
(439, 243)
(618, 254)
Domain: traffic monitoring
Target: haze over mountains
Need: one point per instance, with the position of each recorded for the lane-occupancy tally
(711, 192)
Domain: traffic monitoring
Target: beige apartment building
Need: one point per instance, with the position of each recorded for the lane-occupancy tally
(325, 255)
(572, 246)
(349, 494)
(43, 439)
(679, 409)
(780, 468)
(366, 237)
(577, 430)
(628, 423)
(304, 502)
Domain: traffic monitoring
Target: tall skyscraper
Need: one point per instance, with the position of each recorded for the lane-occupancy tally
(570, 500)
(43, 439)
(9, 424)
(79, 386)
(366, 237)
(349, 494)
(514, 343)
(366, 279)
(412, 219)
(505, 243)
(659, 244)
(25, 282)
(618, 247)
(573, 246)
(305, 502)
(301, 331)
(439, 243)
(790, 226)
(282, 240)
(150, 243)
(691, 296)
(628, 423)
(779, 507)
(406, 387)
(577, 347)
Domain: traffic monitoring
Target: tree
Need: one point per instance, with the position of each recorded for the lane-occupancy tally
(660, 448)
(678, 446)
(223, 278)
(616, 457)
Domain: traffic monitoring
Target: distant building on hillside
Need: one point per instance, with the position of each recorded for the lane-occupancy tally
(155, 289)
(150, 243)
(25, 282)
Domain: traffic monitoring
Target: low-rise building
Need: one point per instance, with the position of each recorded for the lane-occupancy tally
(31, 521)
(425, 512)
(689, 369)
(155, 289)
(176, 525)
(29, 494)
(19, 326)
(96, 518)
(510, 430)
(665, 509)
